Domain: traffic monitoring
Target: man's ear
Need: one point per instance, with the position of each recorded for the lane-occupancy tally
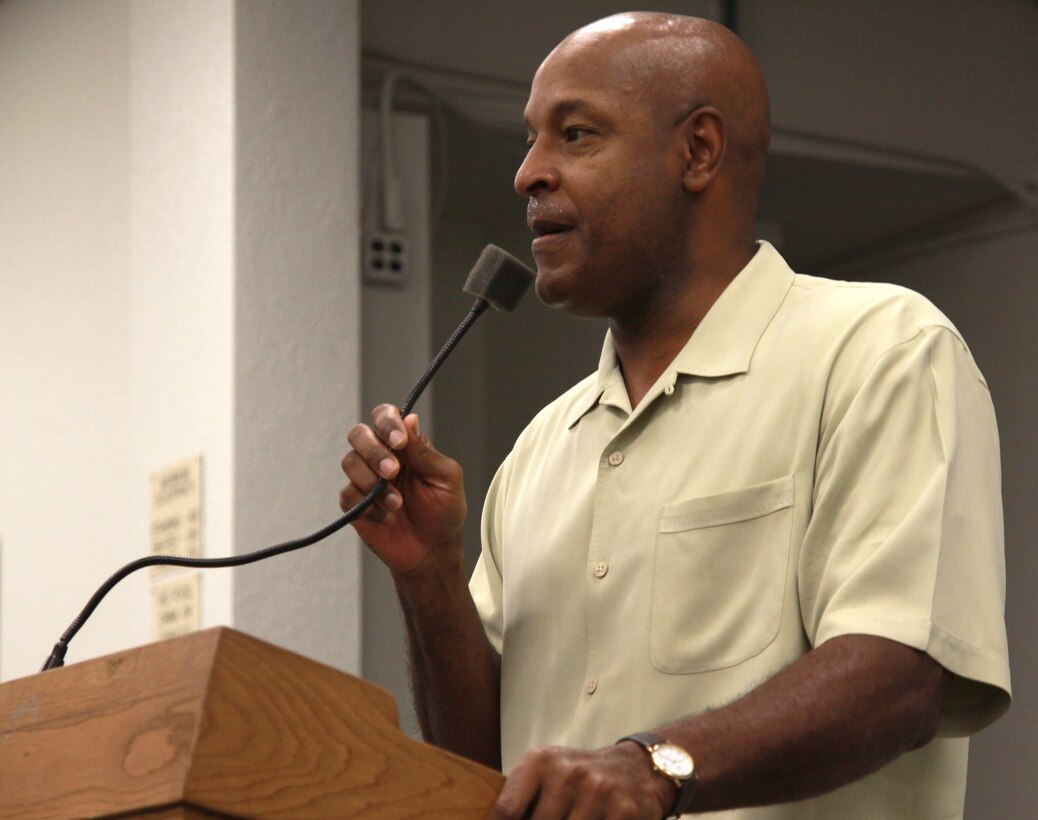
(704, 148)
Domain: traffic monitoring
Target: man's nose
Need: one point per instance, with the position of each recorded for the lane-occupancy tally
(537, 172)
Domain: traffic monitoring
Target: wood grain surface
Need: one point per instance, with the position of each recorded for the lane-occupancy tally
(220, 723)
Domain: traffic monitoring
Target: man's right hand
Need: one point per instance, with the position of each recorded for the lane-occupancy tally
(422, 511)
(415, 528)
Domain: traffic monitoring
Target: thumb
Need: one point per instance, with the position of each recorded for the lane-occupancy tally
(420, 455)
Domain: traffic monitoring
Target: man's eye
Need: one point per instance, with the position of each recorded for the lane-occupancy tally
(577, 133)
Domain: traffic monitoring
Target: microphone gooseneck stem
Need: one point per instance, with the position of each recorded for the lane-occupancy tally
(57, 655)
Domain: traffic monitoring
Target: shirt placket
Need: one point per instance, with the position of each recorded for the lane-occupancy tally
(597, 580)
(608, 519)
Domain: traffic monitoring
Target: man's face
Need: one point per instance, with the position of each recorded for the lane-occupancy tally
(603, 174)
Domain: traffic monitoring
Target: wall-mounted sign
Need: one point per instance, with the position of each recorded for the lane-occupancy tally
(176, 509)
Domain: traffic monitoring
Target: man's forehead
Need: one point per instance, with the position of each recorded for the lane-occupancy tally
(573, 82)
(588, 50)
(586, 75)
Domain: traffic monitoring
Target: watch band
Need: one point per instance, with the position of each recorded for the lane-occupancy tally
(686, 786)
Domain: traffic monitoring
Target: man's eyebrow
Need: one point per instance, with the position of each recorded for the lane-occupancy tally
(575, 106)
(565, 107)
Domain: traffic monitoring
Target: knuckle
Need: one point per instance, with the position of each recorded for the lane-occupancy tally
(375, 514)
(574, 778)
(505, 810)
(629, 810)
(354, 465)
(385, 412)
(357, 433)
(453, 472)
(594, 782)
(540, 754)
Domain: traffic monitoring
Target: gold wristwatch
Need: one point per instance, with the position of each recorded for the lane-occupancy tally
(672, 762)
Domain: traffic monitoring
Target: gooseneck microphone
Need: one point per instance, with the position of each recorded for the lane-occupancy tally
(497, 280)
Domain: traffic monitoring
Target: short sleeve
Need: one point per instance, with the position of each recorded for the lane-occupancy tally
(906, 539)
(485, 585)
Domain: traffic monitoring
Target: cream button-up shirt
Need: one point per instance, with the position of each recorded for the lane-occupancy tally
(820, 459)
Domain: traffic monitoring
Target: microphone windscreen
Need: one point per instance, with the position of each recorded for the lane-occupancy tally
(499, 278)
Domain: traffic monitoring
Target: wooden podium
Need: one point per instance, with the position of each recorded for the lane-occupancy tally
(220, 724)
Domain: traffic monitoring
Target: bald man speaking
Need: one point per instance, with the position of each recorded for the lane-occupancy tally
(753, 564)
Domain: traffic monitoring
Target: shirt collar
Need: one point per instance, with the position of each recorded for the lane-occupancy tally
(724, 342)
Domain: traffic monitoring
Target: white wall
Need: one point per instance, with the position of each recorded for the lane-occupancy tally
(66, 496)
(297, 319)
(178, 267)
(182, 282)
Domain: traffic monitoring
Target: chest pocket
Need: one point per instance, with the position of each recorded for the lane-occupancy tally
(720, 577)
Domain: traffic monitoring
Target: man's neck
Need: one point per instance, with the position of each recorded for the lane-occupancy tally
(648, 341)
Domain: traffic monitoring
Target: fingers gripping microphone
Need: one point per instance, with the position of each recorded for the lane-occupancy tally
(498, 279)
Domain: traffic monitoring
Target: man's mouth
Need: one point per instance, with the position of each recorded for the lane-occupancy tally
(548, 233)
(547, 227)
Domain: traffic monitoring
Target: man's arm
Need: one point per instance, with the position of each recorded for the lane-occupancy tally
(415, 528)
(838, 713)
(455, 672)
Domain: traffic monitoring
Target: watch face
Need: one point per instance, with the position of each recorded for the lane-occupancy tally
(673, 760)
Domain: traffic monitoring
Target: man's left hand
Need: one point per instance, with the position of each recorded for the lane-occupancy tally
(615, 782)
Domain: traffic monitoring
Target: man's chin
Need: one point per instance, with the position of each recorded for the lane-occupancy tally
(553, 287)
(562, 292)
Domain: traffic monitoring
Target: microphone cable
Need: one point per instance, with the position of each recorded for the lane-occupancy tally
(57, 655)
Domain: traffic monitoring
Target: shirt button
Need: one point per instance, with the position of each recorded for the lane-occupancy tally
(601, 568)
(669, 390)
(616, 458)
(591, 686)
